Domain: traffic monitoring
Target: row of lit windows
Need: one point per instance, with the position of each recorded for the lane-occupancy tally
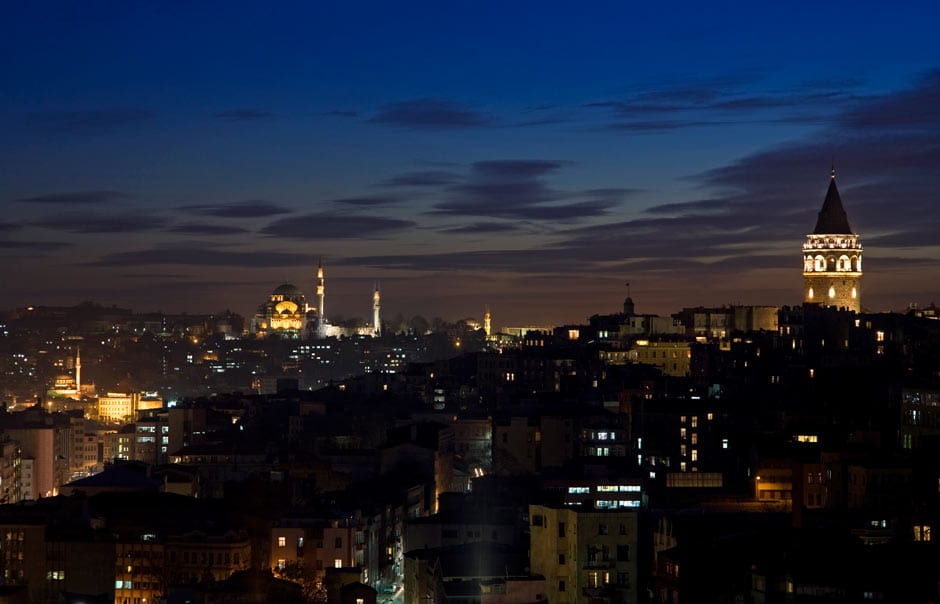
(832, 293)
(282, 542)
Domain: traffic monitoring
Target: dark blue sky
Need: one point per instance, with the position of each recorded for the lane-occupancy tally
(529, 156)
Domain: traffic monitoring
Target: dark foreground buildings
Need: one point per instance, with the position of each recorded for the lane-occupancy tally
(737, 454)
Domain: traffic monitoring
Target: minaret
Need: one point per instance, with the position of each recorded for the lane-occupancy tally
(487, 320)
(832, 257)
(628, 308)
(78, 370)
(321, 294)
(376, 320)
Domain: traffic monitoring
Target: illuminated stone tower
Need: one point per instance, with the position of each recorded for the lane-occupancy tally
(321, 295)
(832, 257)
(376, 307)
(487, 321)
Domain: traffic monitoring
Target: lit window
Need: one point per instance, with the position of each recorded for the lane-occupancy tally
(695, 421)
(724, 443)
(281, 563)
(832, 292)
(338, 563)
(694, 454)
(809, 294)
(282, 541)
(880, 336)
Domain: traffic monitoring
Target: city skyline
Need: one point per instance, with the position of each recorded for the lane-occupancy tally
(529, 158)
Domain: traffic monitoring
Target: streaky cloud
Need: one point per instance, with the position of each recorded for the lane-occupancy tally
(207, 229)
(78, 198)
(367, 201)
(202, 256)
(481, 228)
(431, 114)
(335, 226)
(429, 178)
(252, 208)
(94, 223)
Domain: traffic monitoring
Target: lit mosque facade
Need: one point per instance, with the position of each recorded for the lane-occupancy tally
(832, 257)
(288, 314)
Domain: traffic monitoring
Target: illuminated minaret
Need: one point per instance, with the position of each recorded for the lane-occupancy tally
(78, 370)
(487, 320)
(832, 257)
(321, 294)
(376, 319)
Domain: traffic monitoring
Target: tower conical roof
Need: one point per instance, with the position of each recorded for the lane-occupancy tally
(832, 217)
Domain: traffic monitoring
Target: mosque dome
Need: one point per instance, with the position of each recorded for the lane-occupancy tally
(287, 289)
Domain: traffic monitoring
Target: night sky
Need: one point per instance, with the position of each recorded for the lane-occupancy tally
(529, 156)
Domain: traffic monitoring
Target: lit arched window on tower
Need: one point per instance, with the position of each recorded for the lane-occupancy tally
(808, 264)
(844, 264)
(820, 263)
(832, 292)
(854, 293)
(810, 293)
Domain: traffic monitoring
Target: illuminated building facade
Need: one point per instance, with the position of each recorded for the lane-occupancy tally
(832, 257)
(585, 555)
(285, 314)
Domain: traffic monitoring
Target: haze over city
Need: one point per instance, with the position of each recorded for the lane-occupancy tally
(531, 157)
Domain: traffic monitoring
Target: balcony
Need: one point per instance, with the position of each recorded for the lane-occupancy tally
(599, 564)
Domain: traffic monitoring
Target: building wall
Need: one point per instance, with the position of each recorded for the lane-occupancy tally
(672, 358)
(585, 555)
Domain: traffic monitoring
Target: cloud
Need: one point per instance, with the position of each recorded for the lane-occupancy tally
(244, 114)
(252, 208)
(91, 121)
(207, 229)
(431, 114)
(430, 178)
(78, 198)
(91, 222)
(335, 226)
(516, 189)
(660, 125)
(723, 101)
(367, 201)
(35, 246)
(202, 256)
(9, 226)
(916, 107)
(481, 228)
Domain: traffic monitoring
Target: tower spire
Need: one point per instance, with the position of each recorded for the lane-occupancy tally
(321, 296)
(832, 256)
